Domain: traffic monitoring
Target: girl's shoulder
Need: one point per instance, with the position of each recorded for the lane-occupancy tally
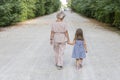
(79, 40)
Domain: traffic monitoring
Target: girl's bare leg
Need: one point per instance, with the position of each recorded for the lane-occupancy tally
(80, 62)
(77, 64)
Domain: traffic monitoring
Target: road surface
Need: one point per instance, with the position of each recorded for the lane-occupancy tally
(25, 52)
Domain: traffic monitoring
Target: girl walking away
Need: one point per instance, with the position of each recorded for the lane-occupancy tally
(80, 49)
(59, 36)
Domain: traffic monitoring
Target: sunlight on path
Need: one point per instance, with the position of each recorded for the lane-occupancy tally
(63, 2)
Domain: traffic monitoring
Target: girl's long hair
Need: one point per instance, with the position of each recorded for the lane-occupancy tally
(79, 34)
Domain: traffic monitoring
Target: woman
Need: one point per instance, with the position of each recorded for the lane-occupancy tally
(59, 36)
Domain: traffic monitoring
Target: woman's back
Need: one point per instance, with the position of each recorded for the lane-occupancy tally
(59, 27)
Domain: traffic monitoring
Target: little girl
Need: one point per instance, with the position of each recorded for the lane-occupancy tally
(80, 49)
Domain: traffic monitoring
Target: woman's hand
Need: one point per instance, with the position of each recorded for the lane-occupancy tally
(51, 37)
(68, 42)
(71, 43)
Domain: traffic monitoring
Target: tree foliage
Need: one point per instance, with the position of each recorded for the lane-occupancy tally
(12, 11)
(107, 11)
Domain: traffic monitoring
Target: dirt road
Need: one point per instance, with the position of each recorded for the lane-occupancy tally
(25, 52)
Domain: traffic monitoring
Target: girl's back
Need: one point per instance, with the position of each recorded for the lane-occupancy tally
(79, 43)
(78, 50)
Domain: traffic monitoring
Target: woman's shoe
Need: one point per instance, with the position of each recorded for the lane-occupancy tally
(59, 67)
(56, 65)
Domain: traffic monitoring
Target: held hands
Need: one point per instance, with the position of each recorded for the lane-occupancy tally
(72, 43)
(68, 42)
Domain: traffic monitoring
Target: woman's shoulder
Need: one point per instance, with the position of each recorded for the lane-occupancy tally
(60, 23)
(54, 22)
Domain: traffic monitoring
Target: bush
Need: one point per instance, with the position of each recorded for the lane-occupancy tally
(40, 9)
(107, 11)
(117, 17)
(52, 6)
(12, 11)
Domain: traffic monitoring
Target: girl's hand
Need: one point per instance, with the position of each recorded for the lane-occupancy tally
(71, 43)
(68, 42)
(51, 42)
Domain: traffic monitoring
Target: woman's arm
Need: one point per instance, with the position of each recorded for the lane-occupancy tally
(51, 37)
(67, 35)
(71, 43)
(68, 40)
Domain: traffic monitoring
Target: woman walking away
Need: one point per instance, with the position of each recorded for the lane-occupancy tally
(79, 49)
(58, 38)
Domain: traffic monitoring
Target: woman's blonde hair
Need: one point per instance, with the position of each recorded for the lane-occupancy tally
(60, 15)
